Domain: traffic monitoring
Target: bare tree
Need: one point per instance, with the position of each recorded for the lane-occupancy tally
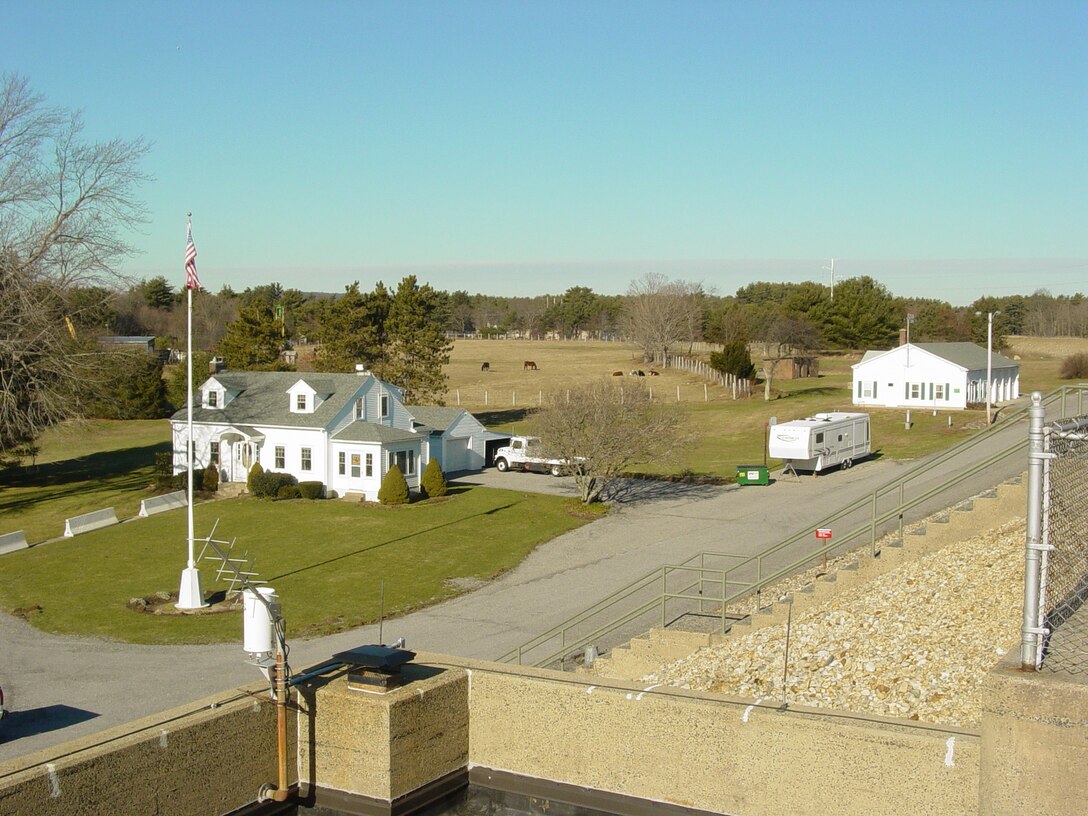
(64, 204)
(658, 313)
(603, 428)
(782, 337)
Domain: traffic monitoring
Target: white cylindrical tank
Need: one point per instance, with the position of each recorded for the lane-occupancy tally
(258, 637)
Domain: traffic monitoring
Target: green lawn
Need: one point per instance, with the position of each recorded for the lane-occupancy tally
(325, 560)
(82, 467)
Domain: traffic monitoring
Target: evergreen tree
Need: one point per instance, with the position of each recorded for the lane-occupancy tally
(417, 347)
(433, 481)
(394, 489)
(863, 315)
(253, 341)
(735, 359)
(353, 330)
(127, 385)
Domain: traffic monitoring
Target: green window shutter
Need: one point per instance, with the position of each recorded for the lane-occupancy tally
(874, 389)
(859, 389)
(931, 390)
(947, 391)
(906, 390)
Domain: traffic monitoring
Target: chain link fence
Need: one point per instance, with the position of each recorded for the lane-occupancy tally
(1055, 632)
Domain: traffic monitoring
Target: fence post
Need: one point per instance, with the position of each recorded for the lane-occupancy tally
(1031, 632)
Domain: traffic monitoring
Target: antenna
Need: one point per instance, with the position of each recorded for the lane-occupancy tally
(381, 608)
(831, 269)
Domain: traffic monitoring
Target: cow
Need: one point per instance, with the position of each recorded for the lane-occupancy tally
(485, 367)
(655, 373)
(617, 373)
(529, 365)
(638, 373)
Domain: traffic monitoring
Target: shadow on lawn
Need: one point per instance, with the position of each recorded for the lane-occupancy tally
(101, 465)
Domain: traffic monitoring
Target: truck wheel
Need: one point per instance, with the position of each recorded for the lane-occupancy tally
(556, 470)
(501, 465)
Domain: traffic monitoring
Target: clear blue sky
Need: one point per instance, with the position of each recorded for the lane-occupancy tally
(520, 148)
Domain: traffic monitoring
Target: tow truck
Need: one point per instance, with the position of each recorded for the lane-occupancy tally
(526, 453)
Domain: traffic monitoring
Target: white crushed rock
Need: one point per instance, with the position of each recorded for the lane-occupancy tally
(913, 643)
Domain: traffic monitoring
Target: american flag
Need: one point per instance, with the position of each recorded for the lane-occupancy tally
(191, 279)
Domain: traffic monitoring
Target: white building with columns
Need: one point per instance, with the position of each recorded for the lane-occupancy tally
(933, 375)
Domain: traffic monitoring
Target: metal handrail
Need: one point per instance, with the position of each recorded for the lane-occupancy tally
(659, 574)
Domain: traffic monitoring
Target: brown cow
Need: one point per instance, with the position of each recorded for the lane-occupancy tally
(485, 367)
(529, 365)
(617, 373)
(655, 373)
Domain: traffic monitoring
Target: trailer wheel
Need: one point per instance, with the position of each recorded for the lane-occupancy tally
(847, 464)
(501, 465)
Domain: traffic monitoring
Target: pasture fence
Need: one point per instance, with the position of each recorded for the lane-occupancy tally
(496, 398)
(738, 387)
(1054, 635)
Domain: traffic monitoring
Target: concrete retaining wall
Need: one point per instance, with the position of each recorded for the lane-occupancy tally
(191, 761)
(568, 740)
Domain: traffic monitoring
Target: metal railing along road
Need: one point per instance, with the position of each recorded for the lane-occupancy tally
(709, 583)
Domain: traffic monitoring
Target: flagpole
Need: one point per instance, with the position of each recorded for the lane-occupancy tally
(189, 594)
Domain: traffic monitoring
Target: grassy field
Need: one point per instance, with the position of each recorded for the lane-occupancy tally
(426, 553)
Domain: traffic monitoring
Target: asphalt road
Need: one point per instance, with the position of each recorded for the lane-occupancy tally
(63, 688)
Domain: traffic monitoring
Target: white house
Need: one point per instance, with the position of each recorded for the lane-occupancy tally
(933, 375)
(344, 430)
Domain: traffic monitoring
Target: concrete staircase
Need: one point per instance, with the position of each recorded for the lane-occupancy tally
(987, 511)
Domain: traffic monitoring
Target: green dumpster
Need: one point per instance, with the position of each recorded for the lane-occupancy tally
(753, 475)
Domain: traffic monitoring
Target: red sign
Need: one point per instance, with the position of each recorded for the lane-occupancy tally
(823, 532)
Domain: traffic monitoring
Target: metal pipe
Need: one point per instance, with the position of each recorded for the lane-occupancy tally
(1030, 631)
(281, 793)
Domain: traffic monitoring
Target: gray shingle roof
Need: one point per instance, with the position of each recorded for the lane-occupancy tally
(262, 398)
(968, 355)
(370, 432)
(438, 417)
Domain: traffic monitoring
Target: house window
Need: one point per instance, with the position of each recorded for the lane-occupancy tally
(300, 402)
(355, 465)
(305, 458)
(341, 463)
(213, 453)
(213, 399)
(916, 391)
(359, 408)
(281, 458)
(385, 406)
(940, 391)
(369, 465)
(406, 461)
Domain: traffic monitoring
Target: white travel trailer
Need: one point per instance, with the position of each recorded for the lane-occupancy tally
(821, 441)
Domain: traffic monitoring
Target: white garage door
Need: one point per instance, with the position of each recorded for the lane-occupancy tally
(456, 455)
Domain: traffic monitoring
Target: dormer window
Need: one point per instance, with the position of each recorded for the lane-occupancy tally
(300, 402)
(385, 406)
(360, 409)
(213, 399)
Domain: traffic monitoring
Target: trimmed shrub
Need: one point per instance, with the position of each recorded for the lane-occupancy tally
(211, 478)
(311, 490)
(254, 471)
(433, 482)
(180, 481)
(267, 485)
(394, 489)
(288, 491)
(1075, 366)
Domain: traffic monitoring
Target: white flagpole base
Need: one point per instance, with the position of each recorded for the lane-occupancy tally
(190, 596)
